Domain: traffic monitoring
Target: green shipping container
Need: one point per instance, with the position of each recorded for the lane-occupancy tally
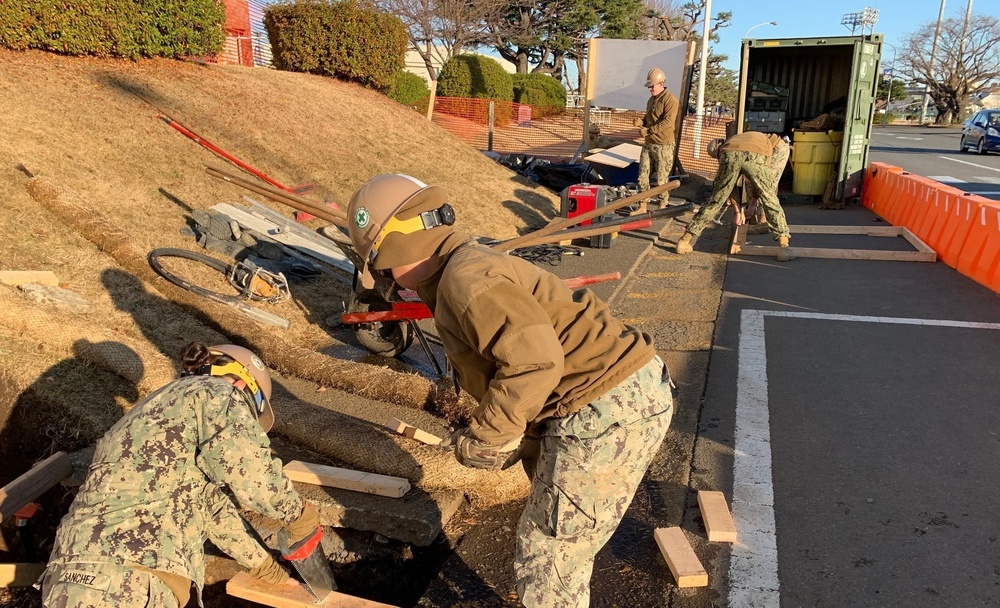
(811, 74)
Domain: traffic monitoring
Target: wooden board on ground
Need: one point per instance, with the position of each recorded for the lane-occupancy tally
(34, 483)
(327, 253)
(923, 252)
(18, 277)
(619, 156)
(346, 479)
(20, 575)
(683, 563)
(412, 432)
(246, 587)
(715, 513)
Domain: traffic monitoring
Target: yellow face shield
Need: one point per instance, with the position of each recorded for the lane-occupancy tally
(442, 216)
(235, 368)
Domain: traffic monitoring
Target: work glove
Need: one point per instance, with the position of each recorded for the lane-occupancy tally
(270, 572)
(306, 526)
(476, 454)
(643, 131)
(636, 122)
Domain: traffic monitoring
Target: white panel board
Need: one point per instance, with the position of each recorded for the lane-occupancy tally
(619, 79)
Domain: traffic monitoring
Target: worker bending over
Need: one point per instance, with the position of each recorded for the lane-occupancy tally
(779, 159)
(748, 154)
(164, 479)
(580, 397)
(657, 128)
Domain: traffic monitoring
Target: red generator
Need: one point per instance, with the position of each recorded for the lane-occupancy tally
(581, 198)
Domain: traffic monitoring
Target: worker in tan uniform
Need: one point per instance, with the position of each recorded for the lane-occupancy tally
(581, 398)
(747, 154)
(657, 128)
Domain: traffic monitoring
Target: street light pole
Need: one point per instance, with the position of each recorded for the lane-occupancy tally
(892, 78)
(930, 68)
(747, 35)
(699, 111)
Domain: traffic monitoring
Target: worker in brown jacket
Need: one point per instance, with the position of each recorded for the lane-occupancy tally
(747, 154)
(658, 129)
(580, 397)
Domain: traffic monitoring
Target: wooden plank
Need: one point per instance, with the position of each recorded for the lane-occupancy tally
(865, 230)
(246, 587)
(323, 252)
(715, 513)
(32, 484)
(918, 244)
(18, 277)
(840, 254)
(412, 432)
(347, 479)
(619, 156)
(20, 575)
(683, 563)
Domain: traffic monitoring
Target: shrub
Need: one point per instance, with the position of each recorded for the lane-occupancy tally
(475, 76)
(119, 28)
(408, 88)
(339, 39)
(544, 93)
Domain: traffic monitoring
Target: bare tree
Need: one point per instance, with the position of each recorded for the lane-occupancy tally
(440, 29)
(668, 20)
(964, 64)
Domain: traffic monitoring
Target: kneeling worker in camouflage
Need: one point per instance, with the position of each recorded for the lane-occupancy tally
(748, 154)
(580, 397)
(164, 479)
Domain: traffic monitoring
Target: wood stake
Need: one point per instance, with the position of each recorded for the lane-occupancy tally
(291, 596)
(718, 520)
(346, 479)
(683, 563)
(412, 432)
(17, 277)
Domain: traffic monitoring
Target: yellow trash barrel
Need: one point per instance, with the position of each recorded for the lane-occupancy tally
(814, 156)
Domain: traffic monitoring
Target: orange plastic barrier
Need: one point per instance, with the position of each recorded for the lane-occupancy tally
(979, 258)
(876, 188)
(920, 192)
(957, 223)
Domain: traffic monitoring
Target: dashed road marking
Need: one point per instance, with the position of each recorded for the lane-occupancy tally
(946, 179)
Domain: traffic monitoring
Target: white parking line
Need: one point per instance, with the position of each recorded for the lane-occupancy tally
(947, 179)
(913, 138)
(753, 568)
(965, 162)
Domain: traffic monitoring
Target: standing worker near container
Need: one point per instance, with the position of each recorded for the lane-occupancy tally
(657, 128)
(161, 482)
(748, 154)
(581, 398)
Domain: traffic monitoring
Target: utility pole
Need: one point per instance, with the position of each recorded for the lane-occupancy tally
(930, 69)
(699, 111)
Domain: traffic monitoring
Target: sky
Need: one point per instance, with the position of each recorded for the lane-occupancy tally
(812, 18)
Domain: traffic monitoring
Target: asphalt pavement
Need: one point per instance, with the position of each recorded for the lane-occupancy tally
(850, 415)
(933, 152)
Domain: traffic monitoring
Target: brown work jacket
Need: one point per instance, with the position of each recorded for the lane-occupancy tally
(661, 118)
(522, 343)
(751, 141)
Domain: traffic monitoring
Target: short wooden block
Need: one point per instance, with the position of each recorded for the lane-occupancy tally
(287, 596)
(680, 557)
(412, 432)
(17, 277)
(715, 513)
(20, 575)
(346, 479)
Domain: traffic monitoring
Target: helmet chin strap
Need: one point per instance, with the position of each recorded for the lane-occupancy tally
(442, 216)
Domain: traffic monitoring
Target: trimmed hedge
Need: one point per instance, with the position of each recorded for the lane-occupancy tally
(339, 39)
(408, 88)
(114, 28)
(475, 76)
(544, 93)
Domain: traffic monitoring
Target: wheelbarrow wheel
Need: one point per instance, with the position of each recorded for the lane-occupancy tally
(389, 339)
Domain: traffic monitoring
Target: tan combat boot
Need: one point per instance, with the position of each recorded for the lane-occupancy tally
(685, 244)
(785, 253)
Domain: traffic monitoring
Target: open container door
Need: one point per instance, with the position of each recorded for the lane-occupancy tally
(860, 112)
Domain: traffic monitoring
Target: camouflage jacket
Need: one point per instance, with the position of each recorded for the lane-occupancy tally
(164, 479)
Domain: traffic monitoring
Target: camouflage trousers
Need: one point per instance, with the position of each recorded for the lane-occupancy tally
(779, 158)
(757, 170)
(662, 155)
(96, 585)
(588, 469)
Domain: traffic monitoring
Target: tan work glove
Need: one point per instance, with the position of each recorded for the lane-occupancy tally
(270, 572)
(305, 526)
(636, 122)
(643, 131)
